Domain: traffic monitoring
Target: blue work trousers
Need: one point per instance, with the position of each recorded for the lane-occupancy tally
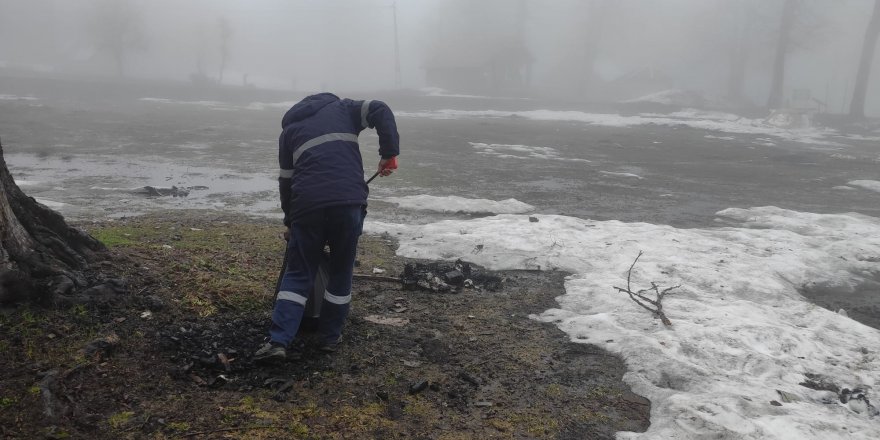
(339, 227)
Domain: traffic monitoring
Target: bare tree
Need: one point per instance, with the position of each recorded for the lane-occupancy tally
(40, 255)
(594, 29)
(789, 10)
(116, 30)
(857, 106)
(739, 49)
(225, 34)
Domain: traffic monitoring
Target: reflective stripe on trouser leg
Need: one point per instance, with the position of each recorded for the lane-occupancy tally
(286, 317)
(346, 223)
(303, 250)
(334, 313)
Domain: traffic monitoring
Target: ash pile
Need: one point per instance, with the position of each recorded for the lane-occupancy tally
(448, 277)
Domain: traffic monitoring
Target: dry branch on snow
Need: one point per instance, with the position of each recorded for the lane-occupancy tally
(655, 306)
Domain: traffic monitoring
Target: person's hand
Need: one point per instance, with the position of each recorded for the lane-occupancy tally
(286, 234)
(387, 166)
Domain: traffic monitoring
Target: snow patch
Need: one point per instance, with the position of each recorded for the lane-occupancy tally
(509, 151)
(437, 91)
(676, 97)
(871, 185)
(741, 331)
(17, 98)
(609, 173)
(213, 105)
(284, 105)
(454, 204)
(712, 121)
(50, 203)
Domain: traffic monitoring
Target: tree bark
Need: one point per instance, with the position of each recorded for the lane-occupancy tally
(857, 106)
(776, 88)
(40, 255)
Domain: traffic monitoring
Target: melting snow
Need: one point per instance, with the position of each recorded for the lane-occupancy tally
(609, 173)
(742, 335)
(17, 98)
(460, 204)
(520, 152)
(872, 185)
(715, 121)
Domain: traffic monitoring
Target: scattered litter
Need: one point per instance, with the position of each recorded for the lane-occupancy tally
(377, 270)
(412, 364)
(483, 404)
(446, 277)
(165, 246)
(147, 315)
(195, 229)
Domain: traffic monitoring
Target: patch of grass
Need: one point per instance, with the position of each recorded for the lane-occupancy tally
(554, 390)
(360, 419)
(604, 393)
(534, 424)
(419, 407)
(179, 426)
(80, 311)
(212, 268)
(120, 420)
(114, 237)
(6, 402)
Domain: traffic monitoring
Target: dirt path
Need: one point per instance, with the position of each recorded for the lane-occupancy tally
(415, 363)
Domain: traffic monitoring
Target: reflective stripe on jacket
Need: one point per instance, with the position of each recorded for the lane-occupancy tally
(319, 153)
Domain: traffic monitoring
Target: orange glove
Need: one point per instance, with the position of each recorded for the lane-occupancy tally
(387, 166)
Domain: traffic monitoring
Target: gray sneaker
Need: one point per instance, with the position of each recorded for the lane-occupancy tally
(270, 352)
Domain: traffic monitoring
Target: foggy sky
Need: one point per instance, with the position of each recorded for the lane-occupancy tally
(573, 46)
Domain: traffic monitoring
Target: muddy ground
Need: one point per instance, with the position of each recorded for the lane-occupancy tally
(171, 358)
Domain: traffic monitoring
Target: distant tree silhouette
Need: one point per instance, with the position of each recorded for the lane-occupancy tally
(116, 30)
(225, 34)
(789, 9)
(857, 106)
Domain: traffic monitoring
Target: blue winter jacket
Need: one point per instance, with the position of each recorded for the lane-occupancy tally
(318, 152)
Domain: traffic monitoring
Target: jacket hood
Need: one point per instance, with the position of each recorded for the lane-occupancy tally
(307, 107)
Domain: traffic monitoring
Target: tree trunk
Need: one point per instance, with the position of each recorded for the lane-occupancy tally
(776, 88)
(739, 53)
(857, 106)
(40, 255)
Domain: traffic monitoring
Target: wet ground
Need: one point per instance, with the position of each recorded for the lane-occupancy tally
(172, 358)
(93, 151)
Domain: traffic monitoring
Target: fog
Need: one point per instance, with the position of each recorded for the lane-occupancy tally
(597, 50)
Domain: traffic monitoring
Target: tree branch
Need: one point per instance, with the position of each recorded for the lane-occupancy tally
(639, 298)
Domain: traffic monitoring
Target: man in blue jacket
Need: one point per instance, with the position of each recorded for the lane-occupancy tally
(324, 198)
